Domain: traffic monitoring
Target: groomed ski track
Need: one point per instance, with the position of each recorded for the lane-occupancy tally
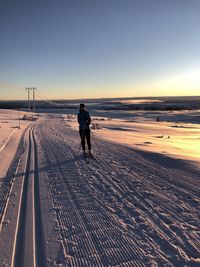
(27, 234)
(127, 208)
(28, 247)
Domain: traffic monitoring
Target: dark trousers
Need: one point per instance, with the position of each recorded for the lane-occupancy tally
(85, 134)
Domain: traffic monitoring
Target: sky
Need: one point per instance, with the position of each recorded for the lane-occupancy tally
(99, 48)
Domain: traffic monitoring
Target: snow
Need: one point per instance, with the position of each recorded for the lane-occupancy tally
(137, 204)
(176, 138)
(10, 135)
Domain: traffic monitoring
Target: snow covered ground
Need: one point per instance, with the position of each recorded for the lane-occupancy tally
(176, 134)
(137, 204)
(11, 129)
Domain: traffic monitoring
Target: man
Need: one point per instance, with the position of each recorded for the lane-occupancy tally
(84, 121)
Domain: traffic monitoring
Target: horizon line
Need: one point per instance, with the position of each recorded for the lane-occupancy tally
(102, 98)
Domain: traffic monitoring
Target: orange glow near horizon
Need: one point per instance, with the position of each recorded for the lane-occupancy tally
(182, 84)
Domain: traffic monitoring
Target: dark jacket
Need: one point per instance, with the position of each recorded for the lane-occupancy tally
(84, 120)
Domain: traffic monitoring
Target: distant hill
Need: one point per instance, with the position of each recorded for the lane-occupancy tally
(131, 103)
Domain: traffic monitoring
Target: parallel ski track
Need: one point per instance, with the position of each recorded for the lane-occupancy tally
(41, 259)
(94, 224)
(19, 252)
(147, 207)
(6, 182)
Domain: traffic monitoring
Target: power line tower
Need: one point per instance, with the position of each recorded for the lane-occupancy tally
(34, 89)
(29, 103)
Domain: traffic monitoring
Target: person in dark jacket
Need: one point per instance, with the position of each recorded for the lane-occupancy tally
(84, 121)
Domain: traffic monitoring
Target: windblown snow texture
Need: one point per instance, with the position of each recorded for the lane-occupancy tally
(126, 208)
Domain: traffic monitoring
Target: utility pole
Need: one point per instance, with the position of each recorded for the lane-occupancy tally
(29, 106)
(34, 99)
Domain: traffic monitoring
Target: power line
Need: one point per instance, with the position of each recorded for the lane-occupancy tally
(49, 101)
(7, 85)
(13, 86)
(42, 98)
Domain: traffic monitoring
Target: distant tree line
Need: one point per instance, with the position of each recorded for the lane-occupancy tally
(166, 104)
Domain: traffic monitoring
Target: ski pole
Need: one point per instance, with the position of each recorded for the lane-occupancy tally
(96, 142)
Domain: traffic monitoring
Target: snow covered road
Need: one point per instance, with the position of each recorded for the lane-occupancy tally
(127, 208)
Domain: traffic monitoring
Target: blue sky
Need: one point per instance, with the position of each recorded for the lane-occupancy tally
(100, 48)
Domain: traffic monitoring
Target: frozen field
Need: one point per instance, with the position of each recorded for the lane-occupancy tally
(176, 134)
(137, 204)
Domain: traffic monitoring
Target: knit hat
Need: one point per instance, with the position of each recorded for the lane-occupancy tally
(82, 105)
